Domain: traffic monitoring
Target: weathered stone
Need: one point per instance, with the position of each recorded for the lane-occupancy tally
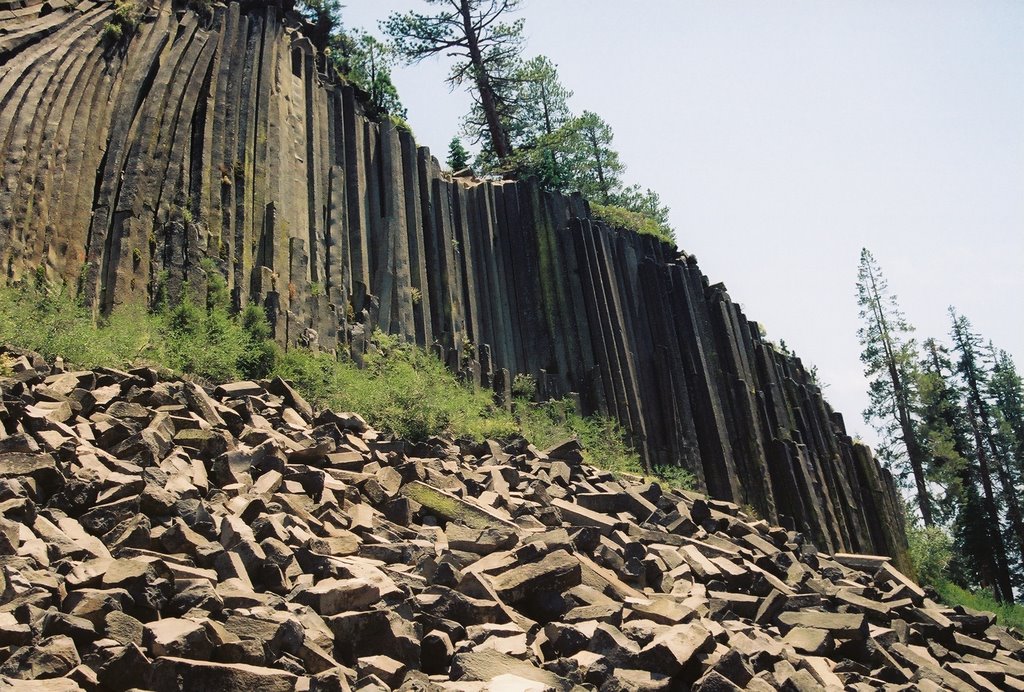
(388, 670)
(453, 508)
(489, 664)
(556, 572)
(41, 467)
(673, 650)
(50, 658)
(333, 596)
(171, 674)
(176, 637)
(840, 625)
(808, 640)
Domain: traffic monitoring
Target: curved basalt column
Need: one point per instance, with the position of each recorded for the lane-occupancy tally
(127, 167)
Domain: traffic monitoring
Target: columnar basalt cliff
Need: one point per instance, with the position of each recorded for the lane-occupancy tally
(125, 165)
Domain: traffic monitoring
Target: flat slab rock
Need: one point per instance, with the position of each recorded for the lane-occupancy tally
(254, 543)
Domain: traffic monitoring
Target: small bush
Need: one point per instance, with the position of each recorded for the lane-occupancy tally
(620, 217)
(679, 478)
(112, 32)
(123, 21)
(400, 123)
(930, 550)
(603, 440)
(524, 386)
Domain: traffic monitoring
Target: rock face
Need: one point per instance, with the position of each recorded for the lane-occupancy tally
(313, 564)
(123, 167)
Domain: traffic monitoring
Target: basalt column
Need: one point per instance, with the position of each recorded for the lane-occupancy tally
(133, 169)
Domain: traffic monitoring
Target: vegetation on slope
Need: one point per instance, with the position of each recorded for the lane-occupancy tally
(401, 389)
(931, 553)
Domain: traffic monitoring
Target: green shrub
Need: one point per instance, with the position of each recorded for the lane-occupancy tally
(679, 478)
(261, 357)
(400, 123)
(112, 32)
(603, 441)
(524, 386)
(123, 21)
(620, 217)
(930, 549)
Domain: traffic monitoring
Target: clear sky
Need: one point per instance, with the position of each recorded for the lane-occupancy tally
(787, 134)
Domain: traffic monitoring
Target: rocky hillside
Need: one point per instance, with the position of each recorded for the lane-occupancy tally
(126, 164)
(158, 535)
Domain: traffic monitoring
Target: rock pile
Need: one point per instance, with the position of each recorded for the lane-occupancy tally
(162, 536)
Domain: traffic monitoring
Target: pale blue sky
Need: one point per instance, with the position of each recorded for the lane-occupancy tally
(786, 135)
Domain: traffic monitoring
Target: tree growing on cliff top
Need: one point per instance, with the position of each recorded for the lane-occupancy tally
(594, 166)
(889, 357)
(366, 62)
(357, 56)
(458, 157)
(485, 48)
(536, 107)
(324, 17)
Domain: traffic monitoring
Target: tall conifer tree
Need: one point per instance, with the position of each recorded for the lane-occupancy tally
(485, 47)
(979, 558)
(889, 357)
(971, 369)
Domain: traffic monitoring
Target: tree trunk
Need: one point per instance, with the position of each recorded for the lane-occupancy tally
(1009, 493)
(914, 453)
(600, 166)
(548, 130)
(984, 551)
(499, 139)
(1004, 590)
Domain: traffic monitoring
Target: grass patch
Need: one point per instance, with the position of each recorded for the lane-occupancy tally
(1007, 614)
(603, 441)
(399, 389)
(620, 217)
(402, 389)
(52, 323)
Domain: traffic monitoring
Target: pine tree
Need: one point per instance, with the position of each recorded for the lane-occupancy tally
(366, 62)
(486, 50)
(594, 167)
(324, 19)
(1006, 444)
(544, 100)
(458, 157)
(536, 109)
(971, 369)
(941, 430)
(1007, 391)
(889, 362)
(978, 556)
